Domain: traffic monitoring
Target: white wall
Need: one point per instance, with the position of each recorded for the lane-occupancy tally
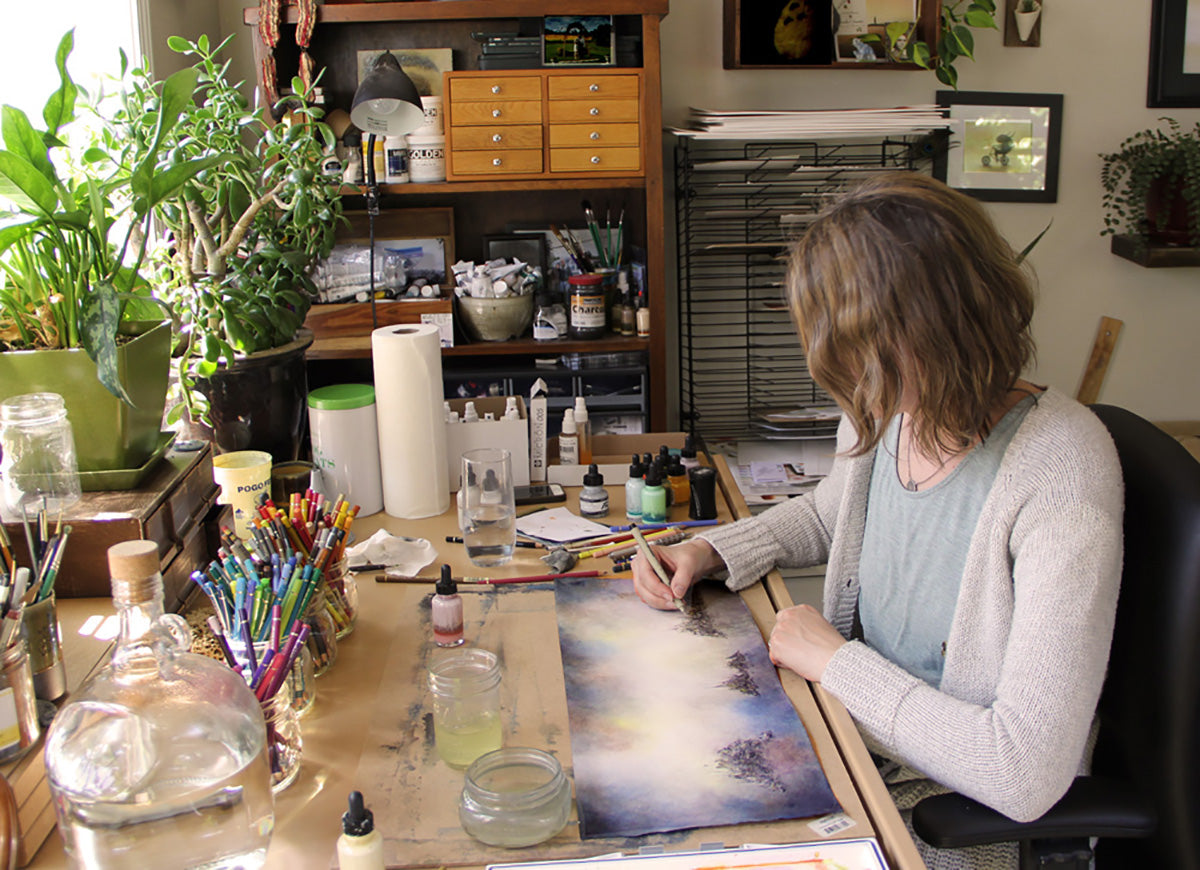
(1099, 63)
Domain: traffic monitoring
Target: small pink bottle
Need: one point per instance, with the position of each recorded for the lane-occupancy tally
(447, 611)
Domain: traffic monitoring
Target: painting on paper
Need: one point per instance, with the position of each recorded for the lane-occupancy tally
(678, 720)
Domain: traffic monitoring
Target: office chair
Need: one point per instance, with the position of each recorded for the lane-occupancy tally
(1143, 797)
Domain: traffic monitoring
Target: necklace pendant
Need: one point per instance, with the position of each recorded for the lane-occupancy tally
(912, 485)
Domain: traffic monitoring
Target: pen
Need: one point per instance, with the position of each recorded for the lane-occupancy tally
(485, 581)
(656, 565)
(683, 524)
(451, 539)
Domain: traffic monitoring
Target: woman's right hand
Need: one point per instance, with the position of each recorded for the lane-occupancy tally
(684, 563)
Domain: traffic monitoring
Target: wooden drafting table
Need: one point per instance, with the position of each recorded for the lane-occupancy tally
(367, 729)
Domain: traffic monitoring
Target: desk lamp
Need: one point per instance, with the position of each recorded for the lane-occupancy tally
(386, 102)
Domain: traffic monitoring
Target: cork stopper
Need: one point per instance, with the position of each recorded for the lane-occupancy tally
(133, 566)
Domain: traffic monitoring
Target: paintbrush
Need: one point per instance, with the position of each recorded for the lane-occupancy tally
(572, 250)
(594, 228)
(657, 566)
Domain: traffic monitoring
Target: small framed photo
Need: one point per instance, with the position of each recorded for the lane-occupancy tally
(1002, 147)
(524, 247)
(578, 40)
(1174, 55)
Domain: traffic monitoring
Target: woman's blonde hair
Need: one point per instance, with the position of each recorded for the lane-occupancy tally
(903, 283)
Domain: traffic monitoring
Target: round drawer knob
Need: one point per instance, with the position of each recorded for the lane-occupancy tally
(593, 111)
(495, 89)
(594, 135)
(595, 160)
(593, 87)
(496, 137)
(495, 113)
(496, 161)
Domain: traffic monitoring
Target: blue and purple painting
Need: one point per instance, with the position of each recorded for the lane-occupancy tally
(678, 720)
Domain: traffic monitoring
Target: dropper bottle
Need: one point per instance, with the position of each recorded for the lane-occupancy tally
(583, 431)
(654, 497)
(360, 847)
(568, 440)
(633, 489)
(446, 611)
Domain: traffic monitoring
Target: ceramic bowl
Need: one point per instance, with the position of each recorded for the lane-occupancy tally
(487, 319)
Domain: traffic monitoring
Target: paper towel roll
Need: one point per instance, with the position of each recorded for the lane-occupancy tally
(412, 429)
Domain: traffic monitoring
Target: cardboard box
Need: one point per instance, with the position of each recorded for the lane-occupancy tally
(510, 434)
(611, 454)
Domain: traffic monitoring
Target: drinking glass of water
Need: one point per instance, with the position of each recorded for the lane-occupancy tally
(489, 511)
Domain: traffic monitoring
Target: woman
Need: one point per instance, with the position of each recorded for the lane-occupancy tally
(971, 522)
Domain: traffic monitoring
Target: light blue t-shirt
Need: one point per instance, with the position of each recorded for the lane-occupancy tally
(915, 546)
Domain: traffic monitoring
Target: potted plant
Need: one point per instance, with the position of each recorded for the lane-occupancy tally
(1025, 14)
(72, 249)
(241, 241)
(1152, 186)
(954, 38)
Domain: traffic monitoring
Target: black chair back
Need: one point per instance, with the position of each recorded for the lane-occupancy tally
(1150, 706)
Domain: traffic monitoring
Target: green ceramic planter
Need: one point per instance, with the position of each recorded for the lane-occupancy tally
(108, 433)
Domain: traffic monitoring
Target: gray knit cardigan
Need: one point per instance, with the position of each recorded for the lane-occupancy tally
(1029, 642)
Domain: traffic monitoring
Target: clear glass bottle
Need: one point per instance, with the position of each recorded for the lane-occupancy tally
(160, 759)
(37, 454)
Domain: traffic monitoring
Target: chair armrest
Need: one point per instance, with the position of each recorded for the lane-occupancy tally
(1092, 807)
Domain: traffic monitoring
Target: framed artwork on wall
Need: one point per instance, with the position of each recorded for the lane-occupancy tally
(1174, 80)
(578, 40)
(1001, 147)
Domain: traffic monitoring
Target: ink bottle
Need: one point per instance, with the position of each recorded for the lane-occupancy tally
(593, 499)
(654, 497)
(583, 431)
(465, 684)
(568, 440)
(160, 758)
(587, 306)
(446, 611)
(633, 489)
(360, 846)
(514, 797)
(677, 479)
(687, 454)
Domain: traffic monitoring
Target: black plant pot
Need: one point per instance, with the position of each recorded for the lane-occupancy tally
(259, 402)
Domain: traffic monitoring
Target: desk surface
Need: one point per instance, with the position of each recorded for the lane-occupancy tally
(354, 723)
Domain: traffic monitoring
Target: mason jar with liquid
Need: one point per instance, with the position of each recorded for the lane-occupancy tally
(465, 684)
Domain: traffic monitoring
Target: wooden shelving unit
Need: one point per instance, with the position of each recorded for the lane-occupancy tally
(486, 206)
(1154, 256)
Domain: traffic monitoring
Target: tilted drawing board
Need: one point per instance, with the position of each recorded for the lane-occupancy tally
(414, 796)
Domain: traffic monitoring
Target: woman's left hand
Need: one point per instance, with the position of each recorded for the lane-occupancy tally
(803, 641)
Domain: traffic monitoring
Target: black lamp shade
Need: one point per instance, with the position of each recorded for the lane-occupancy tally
(387, 101)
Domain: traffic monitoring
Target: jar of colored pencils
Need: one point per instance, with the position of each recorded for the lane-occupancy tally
(342, 595)
(300, 685)
(283, 739)
(322, 633)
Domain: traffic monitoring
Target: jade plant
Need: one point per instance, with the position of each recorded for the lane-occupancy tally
(241, 238)
(1142, 175)
(73, 244)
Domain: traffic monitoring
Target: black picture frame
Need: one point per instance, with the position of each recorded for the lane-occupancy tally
(527, 248)
(980, 162)
(1168, 84)
(578, 40)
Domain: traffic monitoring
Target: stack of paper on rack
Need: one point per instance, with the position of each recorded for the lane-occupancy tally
(805, 124)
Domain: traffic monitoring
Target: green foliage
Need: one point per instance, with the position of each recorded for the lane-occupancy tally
(73, 244)
(243, 235)
(954, 40)
(1148, 157)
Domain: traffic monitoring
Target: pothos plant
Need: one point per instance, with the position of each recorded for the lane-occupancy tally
(954, 39)
(241, 238)
(1147, 165)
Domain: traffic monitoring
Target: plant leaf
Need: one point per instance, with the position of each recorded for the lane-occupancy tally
(101, 313)
(60, 108)
(21, 139)
(27, 188)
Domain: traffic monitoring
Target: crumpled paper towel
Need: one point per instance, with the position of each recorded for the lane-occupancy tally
(400, 554)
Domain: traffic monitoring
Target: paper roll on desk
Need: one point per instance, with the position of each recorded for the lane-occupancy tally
(407, 361)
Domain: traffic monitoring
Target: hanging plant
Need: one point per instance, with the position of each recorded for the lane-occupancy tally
(954, 39)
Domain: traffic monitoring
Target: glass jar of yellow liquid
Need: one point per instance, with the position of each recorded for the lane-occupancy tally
(465, 683)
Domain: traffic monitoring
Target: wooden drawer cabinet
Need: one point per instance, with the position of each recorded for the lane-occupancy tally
(546, 124)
